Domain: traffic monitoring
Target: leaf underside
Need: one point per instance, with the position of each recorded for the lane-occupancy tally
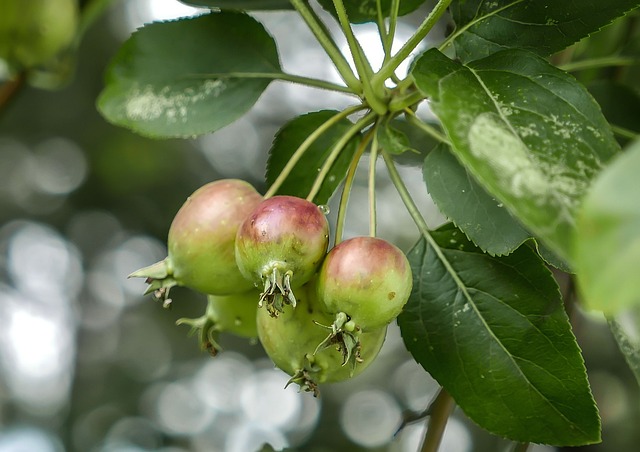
(493, 332)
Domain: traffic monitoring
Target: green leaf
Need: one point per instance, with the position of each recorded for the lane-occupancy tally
(242, 5)
(302, 177)
(420, 143)
(479, 215)
(393, 140)
(184, 78)
(607, 241)
(360, 11)
(541, 26)
(529, 133)
(493, 332)
(625, 328)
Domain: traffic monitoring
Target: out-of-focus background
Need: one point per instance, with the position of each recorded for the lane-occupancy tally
(89, 364)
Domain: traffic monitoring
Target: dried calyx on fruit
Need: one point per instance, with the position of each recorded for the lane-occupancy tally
(291, 340)
(235, 314)
(363, 284)
(201, 242)
(279, 247)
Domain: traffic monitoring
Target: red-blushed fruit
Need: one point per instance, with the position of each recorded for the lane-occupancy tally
(201, 241)
(279, 247)
(291, 341)
(363, 283)
(367, 278)
(235, 314)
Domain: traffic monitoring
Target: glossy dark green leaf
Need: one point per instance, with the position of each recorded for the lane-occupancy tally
(479, 215)
(170, 78)
(303, 175)
(607, 241)
(541, 26)
(530, 134)
(360, 11)
(246, 5)
(493, 332)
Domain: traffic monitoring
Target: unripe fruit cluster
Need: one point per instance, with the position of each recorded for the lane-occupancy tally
(264, 265)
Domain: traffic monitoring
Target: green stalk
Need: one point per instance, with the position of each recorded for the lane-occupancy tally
(625, 133)
(420, 222)
(440, 410)
(372, 184)
(389, 68)
(594, 63)
(346, 190)
(283, 76)
(324, 38)
(335, 152)
(373, 97)
(427, 128)
(297, 155)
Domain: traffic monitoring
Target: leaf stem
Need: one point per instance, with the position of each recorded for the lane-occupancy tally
(427, 128)
(372, 183)
(335, 152)
(283, 76)
(346, 190)
(624, 132)
(594, 63)
(387, 70)
(91, 12)
(363, 67)
(297, 155)
(324, 38)
(440, 410)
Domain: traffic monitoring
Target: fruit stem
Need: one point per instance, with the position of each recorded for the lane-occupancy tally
(335, 152)
(363, 67)
(297, 155)
(324, 38)
(373, 158)
(521, 447)
(427, 128)
(388, 69)
(439, 413)
(348, 183)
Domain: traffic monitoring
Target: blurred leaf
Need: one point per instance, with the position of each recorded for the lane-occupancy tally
(168, 79)
(541, 26)
(530, 134)
(607, 242)
(494, 333)
(393, 140)
(241, 5)
(625, 328)
(479, 215)
(302, 177)
(360, 11)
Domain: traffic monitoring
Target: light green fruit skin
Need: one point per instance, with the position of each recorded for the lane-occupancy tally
(294, 334)
(201, 241)
(34, 31)
(367, 278)
(235, 313)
